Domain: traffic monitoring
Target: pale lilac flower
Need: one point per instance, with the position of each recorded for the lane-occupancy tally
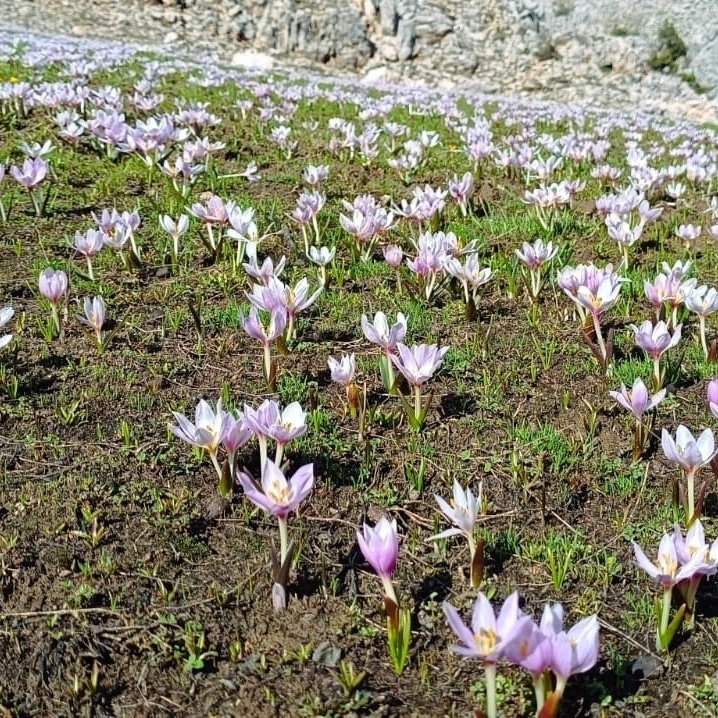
(419, 362)
(90, 243)
(236, 435)
(315, 175)
(637, 400)
(53, 285)
(322, 256)
(342, 370)
(667, 570)
(6, 314)
(265, 333)
(208, 429)
(461, 189)
(380, 333)
(32, 173)
(694, 545)
(702, 300)
(380, 547)
(712, 394)
(574, 651)
(690, 452)
(463, 512)
(393, 255)
(688, 233)
(262, 418)
(489, 634)
(655, 340)
(94, 315)
(267, 271)
(471, 275)
(175, 229)
(531, 648)
(278, 496)
(535, 255)
(290, 424)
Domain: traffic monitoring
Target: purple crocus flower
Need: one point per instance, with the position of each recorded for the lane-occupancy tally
(667, 570)
(380, 547)
(574, 651)
(268, 333)
(32, 173)
(208, 429)
(342, 370)
(637, 400)
(53, 285)
(655, 340)
(686, 450)
(489, 634)
(419, 362)
(380, 333)
(712, 394)
(278, 496)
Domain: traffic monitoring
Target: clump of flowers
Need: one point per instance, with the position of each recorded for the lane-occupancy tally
(211, 429)
(594, 291)
(680, 565)
(541, 650)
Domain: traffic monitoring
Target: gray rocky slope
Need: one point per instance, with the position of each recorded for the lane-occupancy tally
(563, 50)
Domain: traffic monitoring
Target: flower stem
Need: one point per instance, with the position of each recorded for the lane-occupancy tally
(490, 673)
(90, 272)
(657, 377)
(702, 325)
(599, 337)
(283, 540)
(691, 496)
(217, 467)
(279, 455)
(417, 404)
(540, 692)
(665, 616)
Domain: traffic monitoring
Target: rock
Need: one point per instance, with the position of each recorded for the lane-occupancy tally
(327, 654)
(250, 59)
(378, 75)
(389, 50)
(388, 17)
(406, 35)
(170, 38)
(433, 24)
(646, 666)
